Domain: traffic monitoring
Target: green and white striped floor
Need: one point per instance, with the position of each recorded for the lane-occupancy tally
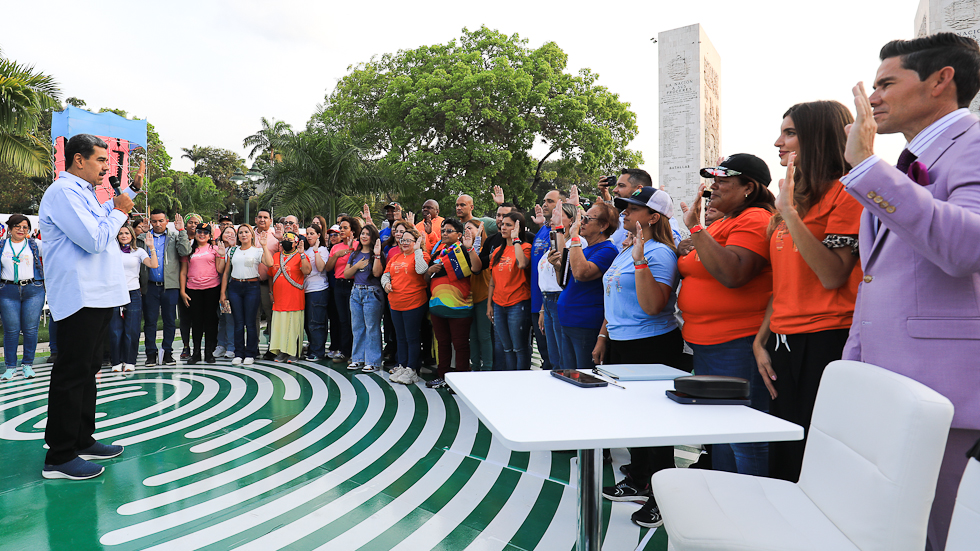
(288, 456)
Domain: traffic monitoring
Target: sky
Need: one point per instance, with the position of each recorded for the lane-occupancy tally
(204, 72)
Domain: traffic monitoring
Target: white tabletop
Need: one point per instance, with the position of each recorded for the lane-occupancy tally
(532, 410)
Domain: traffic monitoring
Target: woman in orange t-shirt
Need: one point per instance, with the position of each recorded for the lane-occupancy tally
(813, 251)
(404, 281)
(287, 270)
(509, 303)
(726, 286)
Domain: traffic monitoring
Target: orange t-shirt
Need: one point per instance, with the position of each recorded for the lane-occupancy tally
(287, 298)
(431, 238)
(713, 313)
(510, 283)
(800, 304)
(408, 288)
(480, 285)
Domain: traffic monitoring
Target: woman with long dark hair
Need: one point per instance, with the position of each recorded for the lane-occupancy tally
(509, 304)
(813, 249)
(124, 326)
(404, 281)
(342, 286)
(200, 291)
(364, 269)
(240, 286)
(316, 288)
(21, 294)
(226, 321)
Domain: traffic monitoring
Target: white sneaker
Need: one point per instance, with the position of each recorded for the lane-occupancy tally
(236, 361)
(331, 354)
(395, 373)
(248, 361)
(129, 367)
(408, 377)
(117, 368)
(228, 354)
(219, 351)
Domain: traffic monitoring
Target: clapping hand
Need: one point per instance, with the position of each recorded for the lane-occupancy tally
(498, 195)
(538, 215)
(785, 202)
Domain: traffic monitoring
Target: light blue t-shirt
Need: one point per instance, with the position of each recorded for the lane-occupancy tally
(625, 320)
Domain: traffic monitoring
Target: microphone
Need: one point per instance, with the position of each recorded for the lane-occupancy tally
(114, 182)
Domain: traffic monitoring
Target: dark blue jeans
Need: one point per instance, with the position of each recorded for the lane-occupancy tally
(736, 359)
(341, 294)
(552, 329)
(577, 344)
(53, 337)
(124, 330)
(512, 326)
(315, 319)
(245, 301)
(20, 310)
(408, 331)
(157, 300)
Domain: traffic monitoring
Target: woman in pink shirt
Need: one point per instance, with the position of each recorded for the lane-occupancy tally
(200, 289)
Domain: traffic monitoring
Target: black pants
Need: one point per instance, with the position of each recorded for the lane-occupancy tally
(667, 349)
(185, 324)
(799, 364)
(333, 319)
(71, 396)
(203, 314)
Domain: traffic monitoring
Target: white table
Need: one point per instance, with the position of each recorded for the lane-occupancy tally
(533, 411)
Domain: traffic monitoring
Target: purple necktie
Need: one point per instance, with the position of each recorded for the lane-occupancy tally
(905, 160)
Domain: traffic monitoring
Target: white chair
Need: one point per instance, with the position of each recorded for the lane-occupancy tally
(964, 529)
(873, 453)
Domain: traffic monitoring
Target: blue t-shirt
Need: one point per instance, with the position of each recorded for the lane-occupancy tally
(625, 320)
(364, 276)
(580, 304)
(540, 246)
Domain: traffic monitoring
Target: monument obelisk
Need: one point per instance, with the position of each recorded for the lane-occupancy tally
(690, 105)
(955, 16)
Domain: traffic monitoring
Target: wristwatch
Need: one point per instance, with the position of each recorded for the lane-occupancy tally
(640, 262)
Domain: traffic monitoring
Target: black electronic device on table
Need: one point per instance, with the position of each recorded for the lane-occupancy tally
(710, 389)
(578, 378)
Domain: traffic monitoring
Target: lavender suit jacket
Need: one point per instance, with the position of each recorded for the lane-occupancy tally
(918, 307)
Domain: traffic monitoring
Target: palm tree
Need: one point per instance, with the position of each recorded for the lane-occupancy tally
(316, 169)
(24, 96)
(195, 154)
(269, 139)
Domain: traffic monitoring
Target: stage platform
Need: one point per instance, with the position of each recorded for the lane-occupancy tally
(289, 456)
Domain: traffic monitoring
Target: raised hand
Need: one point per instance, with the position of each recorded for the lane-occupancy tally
(420, 242)
(861, 134)
(468, 238)
(263, 237)
(398, 212)
(556, 215)
(573, 196)
(785, 201)
(366, 214)
(516, 232)
(179, 222)
(693, 213)
(219, 247)
(427, 223)
(576, 224)
(411, 218)
(140, 176)
(538, 215)
(300, 245)
(279, 231)
(377, 247)
(638, 242)
(498, 195)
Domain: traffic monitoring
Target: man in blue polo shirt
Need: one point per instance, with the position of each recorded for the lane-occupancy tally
(542, 242)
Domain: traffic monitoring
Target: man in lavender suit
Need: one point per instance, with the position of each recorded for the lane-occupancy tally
(918, 308)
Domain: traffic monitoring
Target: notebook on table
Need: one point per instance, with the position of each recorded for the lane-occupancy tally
(641, 372)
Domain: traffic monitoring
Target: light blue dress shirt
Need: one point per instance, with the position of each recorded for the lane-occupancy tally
(83, 267)
(160, 244)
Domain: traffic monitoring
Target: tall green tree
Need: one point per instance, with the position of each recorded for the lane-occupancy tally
(162, 194)
(463, 116)
(268, 140)
(199, 194)
(17, 192)
(215, 163)
(25, 95)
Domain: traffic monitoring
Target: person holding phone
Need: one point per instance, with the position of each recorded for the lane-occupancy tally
(551, 282)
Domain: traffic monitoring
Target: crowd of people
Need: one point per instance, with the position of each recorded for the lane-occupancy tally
(762, 287)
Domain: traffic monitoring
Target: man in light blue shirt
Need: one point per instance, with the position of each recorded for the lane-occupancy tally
(85, 281)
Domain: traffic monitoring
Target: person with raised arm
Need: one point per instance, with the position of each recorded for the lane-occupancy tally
(348, 229)
(288, 269)
(404, 281)
(364, 268)
(200, 291)
(124, 329)
(160, 286)
(241, 288)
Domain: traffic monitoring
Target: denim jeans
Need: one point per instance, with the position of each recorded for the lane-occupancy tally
(124, 330)
(552, 329)
(315, 318)
(53, 336)
(226, 331)
(481, 339)
(577, 344)
(342, 295)
(736, 359)
(538, 338)
(365, 316)
(157, 300)
(245, 302)
(512, 324)
(20, 310)
(408, 331)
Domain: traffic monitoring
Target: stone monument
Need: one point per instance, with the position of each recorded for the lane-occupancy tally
(956, 16)
(690, 118)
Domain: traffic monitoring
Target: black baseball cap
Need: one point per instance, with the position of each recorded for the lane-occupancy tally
(224, 217)
(203, 228)
(393, 205)
(744, 164)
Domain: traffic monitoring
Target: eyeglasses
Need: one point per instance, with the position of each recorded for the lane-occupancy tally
(449, 230)
(586, 219)
(204, 230)
(407, 241)
(716, 171)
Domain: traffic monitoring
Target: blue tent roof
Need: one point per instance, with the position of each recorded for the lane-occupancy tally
(74, 121)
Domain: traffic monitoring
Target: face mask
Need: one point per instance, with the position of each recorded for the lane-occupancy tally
(287, 246)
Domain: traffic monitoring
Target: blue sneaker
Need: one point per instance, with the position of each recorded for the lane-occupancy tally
(28, 371)
(100, 451)
(76, 469)
(8, 374)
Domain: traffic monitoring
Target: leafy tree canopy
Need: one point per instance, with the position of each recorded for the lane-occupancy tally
(25, 95)
(17, 192)
(217, 164)
(463, 116)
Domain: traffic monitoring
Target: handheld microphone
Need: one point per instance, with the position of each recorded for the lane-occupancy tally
(114, 182)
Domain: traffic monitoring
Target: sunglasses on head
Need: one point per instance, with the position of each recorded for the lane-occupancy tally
(720, 171)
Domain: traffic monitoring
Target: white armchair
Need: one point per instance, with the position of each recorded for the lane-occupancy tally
(873, 453)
